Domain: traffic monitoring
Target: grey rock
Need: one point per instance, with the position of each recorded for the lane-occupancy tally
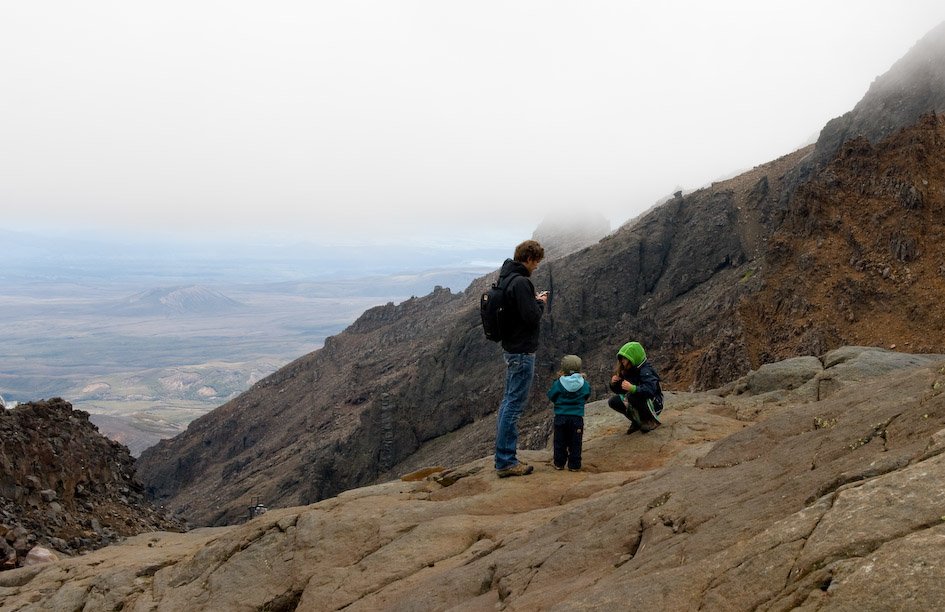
(16, 533)
(858, 363)
(784, 375)
(59, 544)
(7, 555)
(38, 555)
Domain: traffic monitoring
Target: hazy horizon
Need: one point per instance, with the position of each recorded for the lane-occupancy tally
(148, 335)
(373, 122)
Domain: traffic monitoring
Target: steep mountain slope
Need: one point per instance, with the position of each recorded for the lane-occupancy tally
(714, 283)
(913, 87)
(401, 376)
(812, 484)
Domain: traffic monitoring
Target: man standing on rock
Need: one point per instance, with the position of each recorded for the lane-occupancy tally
(520, 319)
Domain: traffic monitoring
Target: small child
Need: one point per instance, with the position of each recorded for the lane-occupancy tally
(637, 385)
(569, 393)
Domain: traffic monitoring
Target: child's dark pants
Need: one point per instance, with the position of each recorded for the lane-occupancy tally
(630, 412)
(569, 430)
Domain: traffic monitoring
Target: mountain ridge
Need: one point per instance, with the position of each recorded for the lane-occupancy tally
(911, 88)
(714, 283)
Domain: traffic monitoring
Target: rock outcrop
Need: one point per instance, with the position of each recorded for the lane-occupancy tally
(772, 493)
(859, 254)
(64, 486)
(568, 231)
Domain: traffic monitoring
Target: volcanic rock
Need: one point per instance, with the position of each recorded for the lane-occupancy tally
(64, 486)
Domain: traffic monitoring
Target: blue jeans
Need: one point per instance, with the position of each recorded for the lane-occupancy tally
(520, 369)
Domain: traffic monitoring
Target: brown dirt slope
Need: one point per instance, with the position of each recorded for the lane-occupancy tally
(859, 259)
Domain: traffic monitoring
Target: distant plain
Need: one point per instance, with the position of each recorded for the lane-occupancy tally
(146, 345)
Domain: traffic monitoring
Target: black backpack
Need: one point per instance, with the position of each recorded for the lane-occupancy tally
(491, 307)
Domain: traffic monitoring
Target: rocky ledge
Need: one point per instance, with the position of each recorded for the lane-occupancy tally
(811, 484)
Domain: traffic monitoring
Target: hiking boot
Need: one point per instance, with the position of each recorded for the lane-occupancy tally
(633, 428)
(648, 419)
(571, 469)
(648, 426)
(519, 469)
(558, 467)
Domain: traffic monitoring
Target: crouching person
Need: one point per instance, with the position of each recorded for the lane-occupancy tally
(637, 385)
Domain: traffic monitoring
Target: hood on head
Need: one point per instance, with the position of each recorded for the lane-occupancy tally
(633, 352)
(572, 382)
(510, 266)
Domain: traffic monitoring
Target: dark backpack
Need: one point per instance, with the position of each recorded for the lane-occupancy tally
(492, 304)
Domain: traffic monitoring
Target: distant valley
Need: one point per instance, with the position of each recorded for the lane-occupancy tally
(146, 346)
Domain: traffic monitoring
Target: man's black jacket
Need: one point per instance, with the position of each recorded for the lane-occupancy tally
(522, 312)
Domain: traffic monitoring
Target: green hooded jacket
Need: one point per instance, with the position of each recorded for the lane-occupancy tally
(633, 352)
(647, 393)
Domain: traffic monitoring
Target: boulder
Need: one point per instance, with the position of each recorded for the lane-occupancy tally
(38, 555)
(784, 375)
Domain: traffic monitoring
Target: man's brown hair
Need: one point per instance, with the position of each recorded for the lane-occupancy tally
(530, 249)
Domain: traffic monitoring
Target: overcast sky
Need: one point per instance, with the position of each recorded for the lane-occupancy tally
(401, 119)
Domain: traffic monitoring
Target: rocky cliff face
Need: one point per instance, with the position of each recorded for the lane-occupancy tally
(64, 486)
(914, 86)
(714, 283)
(812, 484)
